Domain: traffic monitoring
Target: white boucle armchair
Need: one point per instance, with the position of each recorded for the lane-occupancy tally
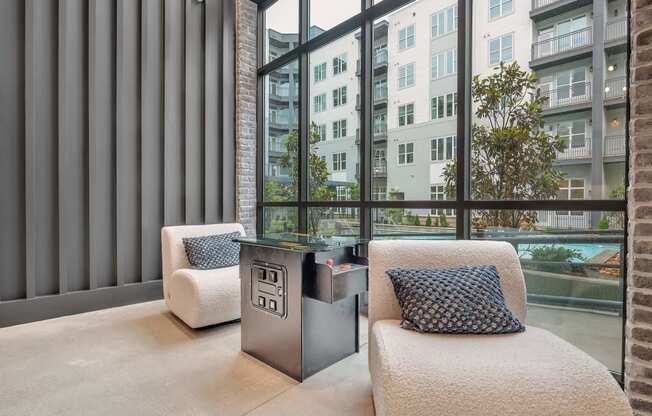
(533, 373)
(198, 297)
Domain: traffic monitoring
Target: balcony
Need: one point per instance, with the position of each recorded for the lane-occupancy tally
(569, 98)
(379, 169)
(576, 153)
(276, 147)
(381, 59)
(380, 98)
(615, 35)
(614, 146)
(544, 9)
(615, 91)
(562, 49)
(380, 133)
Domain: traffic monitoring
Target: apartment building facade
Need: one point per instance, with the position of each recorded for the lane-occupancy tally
(576, 47)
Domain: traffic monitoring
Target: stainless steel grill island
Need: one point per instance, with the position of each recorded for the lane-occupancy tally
(300, 300)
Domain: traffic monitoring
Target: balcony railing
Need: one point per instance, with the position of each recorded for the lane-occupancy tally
(616, 29)
(380, 129)
(564, 219)
(379, 169)
(615, 88)
(380, 94)
(381, 56)
(537, 4)
(275, 146)
(563, 43)
(576, 153)
(577, 93)
(614, 145)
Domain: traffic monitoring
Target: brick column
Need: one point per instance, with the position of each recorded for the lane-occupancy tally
(245, 113)
(638, 378)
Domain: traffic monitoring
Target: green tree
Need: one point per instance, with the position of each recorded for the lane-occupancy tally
(511, 156)
(617, 219)
(417, 221)
(317, 177)
(428, 221)
(395, 214)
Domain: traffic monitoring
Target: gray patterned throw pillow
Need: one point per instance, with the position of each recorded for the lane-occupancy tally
(463, 300)
(212, 251)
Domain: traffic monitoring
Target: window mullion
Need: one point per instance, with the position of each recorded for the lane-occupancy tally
(304, 114)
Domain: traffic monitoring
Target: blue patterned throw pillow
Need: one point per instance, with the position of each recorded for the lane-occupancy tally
(212, 251)
(463, 300)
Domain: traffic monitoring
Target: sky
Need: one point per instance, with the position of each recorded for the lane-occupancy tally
(283, 16)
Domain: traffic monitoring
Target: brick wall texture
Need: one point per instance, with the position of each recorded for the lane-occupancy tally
(245, 114)
(638, 379)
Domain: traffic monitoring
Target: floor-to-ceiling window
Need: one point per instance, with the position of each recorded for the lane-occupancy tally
(432, 119)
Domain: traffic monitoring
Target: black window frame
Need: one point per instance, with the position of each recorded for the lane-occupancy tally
(463, 204)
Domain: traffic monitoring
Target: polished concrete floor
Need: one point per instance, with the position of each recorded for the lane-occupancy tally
(141, 360)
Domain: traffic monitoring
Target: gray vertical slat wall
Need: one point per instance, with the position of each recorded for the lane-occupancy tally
(128, 141)
(213, 112)
(101, 139)
(194, 140)
(41, 214)
(151, 109)
(174, 116)
(12, 150)
(118, 118)
(73, 146)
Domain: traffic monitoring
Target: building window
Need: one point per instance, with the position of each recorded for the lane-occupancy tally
(444, 64)
(443, 106)
(571, 189)
(406, 75)
(573, 134)
(437, 107)
(320, 72)
(380, 123)
(444, 22)
(380, 89)
(339, 64)
(570, 84)
(406, 37)
(500, 8)
(339, 96)
(405, 153)
(339, 129)
(501, 49)
(339, 161)
(405, 115)
(321, 132)
(451, 105)
(438, 193)
(442, 148)
(319, 103)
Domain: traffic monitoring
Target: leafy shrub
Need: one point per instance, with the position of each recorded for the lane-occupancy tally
(603, 224)
(428, 221)
(443, 220)
(555, 253)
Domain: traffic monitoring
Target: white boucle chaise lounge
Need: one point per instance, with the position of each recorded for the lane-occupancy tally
(198, 297)
(534, 373)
